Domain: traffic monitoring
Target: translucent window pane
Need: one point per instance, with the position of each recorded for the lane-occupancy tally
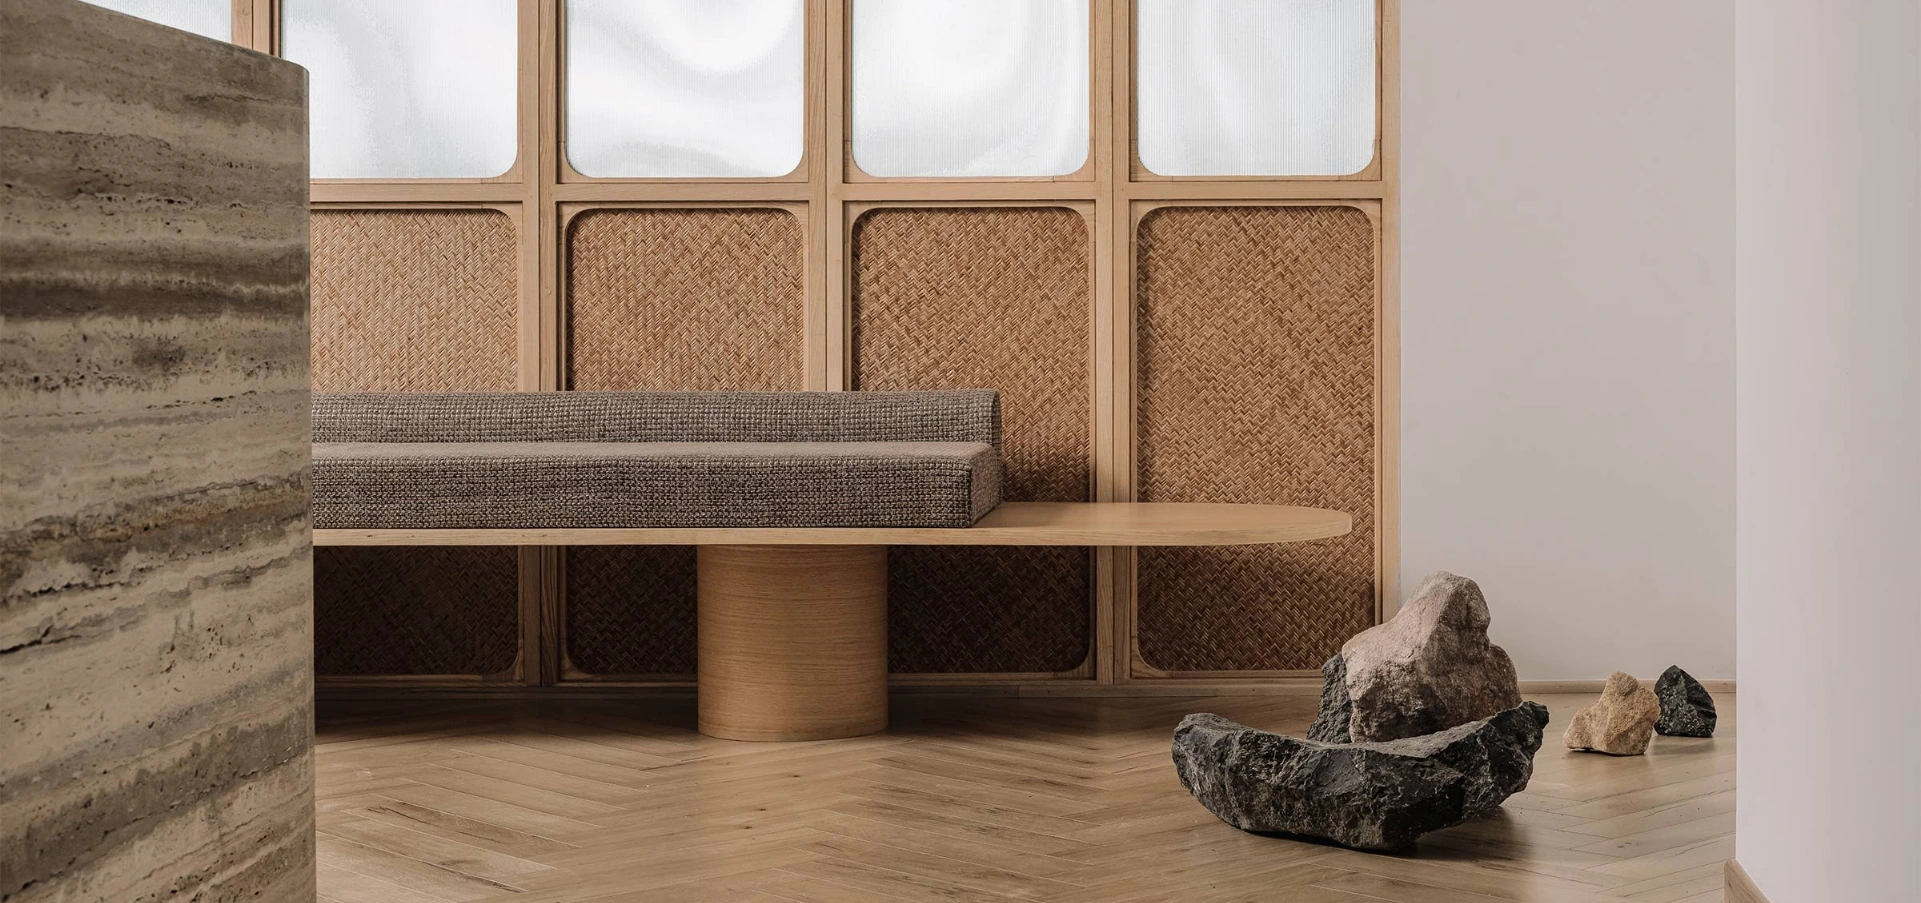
(407, 89)
(1255, 87)
(969, 87)
(208, 18)
(685, 88)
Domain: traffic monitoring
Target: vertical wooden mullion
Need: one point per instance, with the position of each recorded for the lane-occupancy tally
(253, 24)
(1387, 505)
(540, 307)
(819, 138)
(837, 219)
(1120, 333)
(1107, 305)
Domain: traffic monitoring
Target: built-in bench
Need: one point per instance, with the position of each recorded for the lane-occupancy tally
(793, 499)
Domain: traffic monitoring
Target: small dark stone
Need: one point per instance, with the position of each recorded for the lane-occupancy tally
(1369, 796)
(1686, 708)
(1330, 724)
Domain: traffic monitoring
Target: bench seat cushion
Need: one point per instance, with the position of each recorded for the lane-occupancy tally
(558, 485)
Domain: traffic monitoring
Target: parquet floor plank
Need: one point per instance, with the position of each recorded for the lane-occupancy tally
(969, 799)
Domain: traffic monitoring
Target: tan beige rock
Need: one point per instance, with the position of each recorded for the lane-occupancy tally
(1620, 723)
(1430, 668)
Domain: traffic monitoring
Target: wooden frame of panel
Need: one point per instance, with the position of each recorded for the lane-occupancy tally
(568, 211)
(830, 192)
(754, 187)
(565, 672)
(1385, 352)
(1386, 41)
(842, 333)
(852, 174)
(525, 670)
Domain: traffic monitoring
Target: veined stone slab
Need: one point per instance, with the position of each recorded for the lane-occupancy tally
(156, 634)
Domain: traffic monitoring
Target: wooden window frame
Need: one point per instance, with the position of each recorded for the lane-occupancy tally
(544, 194)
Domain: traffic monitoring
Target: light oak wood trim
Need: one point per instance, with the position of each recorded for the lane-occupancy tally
(969, 190)
(1212, 189)
(838, 266)
(1011, 524)
(1740, 887)
(1116, 387)
(1387, 421)
(408, 193)
(680, 192)
(1107, 177)
(820, 222)
(793, 642)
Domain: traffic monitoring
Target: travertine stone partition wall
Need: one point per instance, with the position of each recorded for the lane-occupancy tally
(155, 570)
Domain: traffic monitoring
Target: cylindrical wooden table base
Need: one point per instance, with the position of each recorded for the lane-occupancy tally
(792, 641)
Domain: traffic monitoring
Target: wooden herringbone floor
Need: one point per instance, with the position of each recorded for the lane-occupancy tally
(964, 799)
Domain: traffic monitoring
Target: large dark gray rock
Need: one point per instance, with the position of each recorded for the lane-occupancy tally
(1686, 708)
(1369, 796)
(1330, 723)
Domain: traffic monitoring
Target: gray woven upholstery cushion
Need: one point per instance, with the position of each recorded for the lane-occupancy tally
(963, 415)
(542, 460)
(541, 485)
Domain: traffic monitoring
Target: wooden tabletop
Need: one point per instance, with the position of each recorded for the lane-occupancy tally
(1011, 524)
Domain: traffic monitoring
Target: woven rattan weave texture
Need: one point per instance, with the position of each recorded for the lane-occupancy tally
(414, 300)
(696, 300)
(995, 298)
(416, 610)
(1257, 378)
(630, 610)
(686, 299)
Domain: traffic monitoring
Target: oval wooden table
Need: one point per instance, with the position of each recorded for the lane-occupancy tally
(793, 620)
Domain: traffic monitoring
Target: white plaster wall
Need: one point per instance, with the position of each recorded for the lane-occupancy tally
(1567, 325)
(1828, 558)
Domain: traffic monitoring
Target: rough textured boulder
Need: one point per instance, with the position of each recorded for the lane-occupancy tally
(1686, 708)
(1330, 723)
(1620, 723)
(1370, 796)
(1429, 668)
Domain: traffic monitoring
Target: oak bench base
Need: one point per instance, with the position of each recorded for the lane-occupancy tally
(792, 641)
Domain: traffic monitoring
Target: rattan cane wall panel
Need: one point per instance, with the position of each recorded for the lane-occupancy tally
(416, 610)
(415, 300)
(707, 299)
(704, 299)
(1256, 383)
(630, 610)
(996, 298)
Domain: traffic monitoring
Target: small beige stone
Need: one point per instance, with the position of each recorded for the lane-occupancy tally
(1620, 723)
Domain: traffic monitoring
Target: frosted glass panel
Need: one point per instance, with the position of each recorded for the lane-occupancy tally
(685, 88)
(969, 87)
(208, 18)
(406, 89)
(1255, 87)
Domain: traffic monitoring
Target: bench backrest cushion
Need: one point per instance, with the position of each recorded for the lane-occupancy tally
(960, 415)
